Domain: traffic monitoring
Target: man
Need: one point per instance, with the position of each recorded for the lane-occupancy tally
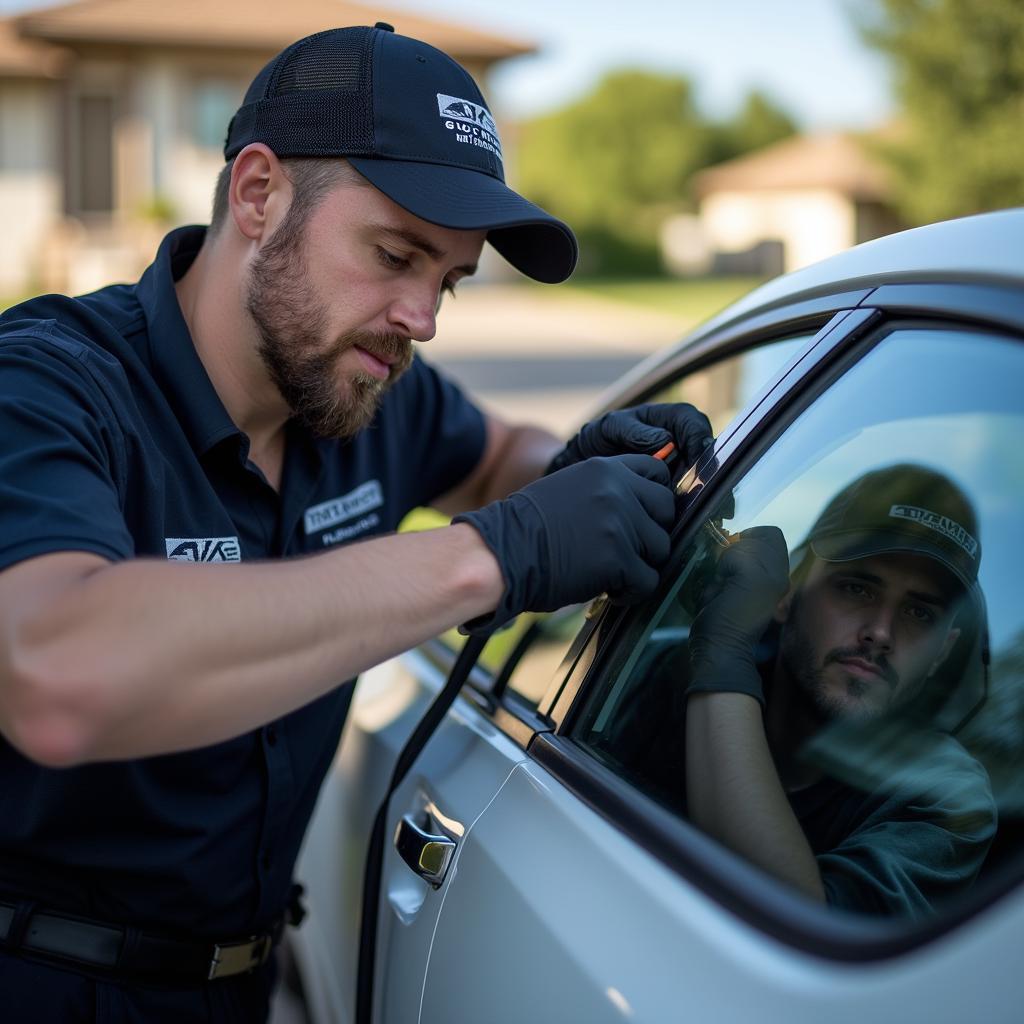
(166, 723)
(824, 766)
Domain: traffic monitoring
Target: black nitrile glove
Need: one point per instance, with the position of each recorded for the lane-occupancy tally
(644, 428)
(751, 577)
(601, 526)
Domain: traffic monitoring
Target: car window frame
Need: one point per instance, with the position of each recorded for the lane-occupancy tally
(652, 376)
(756, 898)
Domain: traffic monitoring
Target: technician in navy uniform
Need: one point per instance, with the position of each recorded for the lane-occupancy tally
(253, 399)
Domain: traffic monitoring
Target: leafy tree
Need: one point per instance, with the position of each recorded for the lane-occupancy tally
(604, 160)
(758, 123)
(959, 74)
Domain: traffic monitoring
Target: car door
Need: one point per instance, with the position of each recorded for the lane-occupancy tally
(578, 889)
(510, 701)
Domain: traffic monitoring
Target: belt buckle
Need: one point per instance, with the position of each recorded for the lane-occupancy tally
(238, 957)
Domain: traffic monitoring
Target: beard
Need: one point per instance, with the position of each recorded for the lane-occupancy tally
(799, 661)
(292, 324)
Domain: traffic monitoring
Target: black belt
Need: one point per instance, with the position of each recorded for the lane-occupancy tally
(130, 952)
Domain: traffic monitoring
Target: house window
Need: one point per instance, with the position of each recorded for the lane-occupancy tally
(214, 102)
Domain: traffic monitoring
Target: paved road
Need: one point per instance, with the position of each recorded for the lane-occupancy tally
(540, 354)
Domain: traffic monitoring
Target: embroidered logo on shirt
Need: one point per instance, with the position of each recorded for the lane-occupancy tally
(203, 549)
(472, 124)
(359, 502)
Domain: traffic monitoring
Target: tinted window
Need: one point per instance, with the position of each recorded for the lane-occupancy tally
(815, 688)
(727, 386)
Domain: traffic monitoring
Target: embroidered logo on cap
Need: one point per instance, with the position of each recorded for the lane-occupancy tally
(471, 123)
(949, 528)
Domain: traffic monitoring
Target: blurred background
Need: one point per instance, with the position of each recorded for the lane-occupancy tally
(697, 149)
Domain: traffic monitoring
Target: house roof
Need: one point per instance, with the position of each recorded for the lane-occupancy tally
(26, 58)
(836, 161)
(246, 25)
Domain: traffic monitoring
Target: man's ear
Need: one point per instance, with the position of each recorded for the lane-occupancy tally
(781, 613)
(259, 192)
(947, 648)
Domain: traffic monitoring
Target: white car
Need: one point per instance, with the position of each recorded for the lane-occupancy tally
(538, 862)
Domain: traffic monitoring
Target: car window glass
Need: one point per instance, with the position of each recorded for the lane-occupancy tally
(722, 389)
(892, 668)
(529, 652)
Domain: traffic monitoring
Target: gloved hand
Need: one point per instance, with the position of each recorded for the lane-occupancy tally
(751, 577)
(601, 526)
(644, 428)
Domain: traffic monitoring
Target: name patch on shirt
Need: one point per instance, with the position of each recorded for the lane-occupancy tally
(359, 502)
(203, 549)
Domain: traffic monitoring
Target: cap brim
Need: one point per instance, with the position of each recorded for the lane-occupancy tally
(845, 547)
(533, 241)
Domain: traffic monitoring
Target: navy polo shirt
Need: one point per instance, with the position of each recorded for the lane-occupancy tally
(114, 441)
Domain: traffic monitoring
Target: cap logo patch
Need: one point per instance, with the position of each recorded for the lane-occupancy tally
(949, 528)
(471, 123)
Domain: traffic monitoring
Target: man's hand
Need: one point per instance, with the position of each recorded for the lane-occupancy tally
(599, 526)
(644, 428)
(751, 577)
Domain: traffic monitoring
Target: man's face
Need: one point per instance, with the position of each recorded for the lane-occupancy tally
(859, 636)
(338, 300)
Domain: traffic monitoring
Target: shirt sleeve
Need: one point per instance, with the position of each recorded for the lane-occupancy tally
(445, 431)
(917, 848)
(60, 453)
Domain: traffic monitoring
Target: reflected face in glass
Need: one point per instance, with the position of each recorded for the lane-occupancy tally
(861, 635)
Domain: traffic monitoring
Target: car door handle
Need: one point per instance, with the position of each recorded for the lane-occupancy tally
(426, 853)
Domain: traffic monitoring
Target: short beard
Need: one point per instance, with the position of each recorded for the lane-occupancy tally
(797, 659)
(292, 324)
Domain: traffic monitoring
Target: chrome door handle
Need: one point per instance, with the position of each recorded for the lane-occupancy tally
(427, 854)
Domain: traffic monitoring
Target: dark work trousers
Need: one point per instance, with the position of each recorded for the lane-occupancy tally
(34, 992)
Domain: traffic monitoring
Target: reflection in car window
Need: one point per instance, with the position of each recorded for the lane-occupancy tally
(721, 390)
(832, 685)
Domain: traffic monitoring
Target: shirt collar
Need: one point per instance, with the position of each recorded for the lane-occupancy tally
(172, 353)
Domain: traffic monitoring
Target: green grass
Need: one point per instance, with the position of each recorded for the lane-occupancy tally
(692, 300)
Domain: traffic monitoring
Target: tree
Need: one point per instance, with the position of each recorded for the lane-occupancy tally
(629, 145)
(959, 75)
(758, 123)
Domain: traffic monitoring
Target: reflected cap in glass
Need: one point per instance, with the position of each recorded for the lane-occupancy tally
(903, 508)
(410, 120)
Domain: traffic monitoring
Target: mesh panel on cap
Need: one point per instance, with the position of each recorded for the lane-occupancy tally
(328, 60)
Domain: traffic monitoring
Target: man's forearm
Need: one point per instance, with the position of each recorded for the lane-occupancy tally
(734, 792)
(147, 657)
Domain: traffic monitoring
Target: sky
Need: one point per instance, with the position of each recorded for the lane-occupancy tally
(804, 53)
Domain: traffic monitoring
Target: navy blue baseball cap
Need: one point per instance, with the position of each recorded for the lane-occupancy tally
(411, 121)
(904, 508)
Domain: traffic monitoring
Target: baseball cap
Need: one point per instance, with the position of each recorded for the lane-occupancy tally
(901, 508)
(410, 120)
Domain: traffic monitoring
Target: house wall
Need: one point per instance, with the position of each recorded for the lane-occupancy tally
(810, 223)
(30, 181)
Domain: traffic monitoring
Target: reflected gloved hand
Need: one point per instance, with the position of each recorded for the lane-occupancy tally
(751, 577)
(599, 526)
(644, 428)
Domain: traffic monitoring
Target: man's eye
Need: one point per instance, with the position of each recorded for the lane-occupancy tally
(921, 613)
(853, 588)
(390, 260)
(448, 288)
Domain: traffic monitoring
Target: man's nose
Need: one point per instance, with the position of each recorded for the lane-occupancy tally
(414, 315)
(876, 629)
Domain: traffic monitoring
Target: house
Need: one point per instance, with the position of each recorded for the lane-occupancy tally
(113, 115)
(793, 203)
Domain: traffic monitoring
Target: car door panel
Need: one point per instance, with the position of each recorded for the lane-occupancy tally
(528, 931)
